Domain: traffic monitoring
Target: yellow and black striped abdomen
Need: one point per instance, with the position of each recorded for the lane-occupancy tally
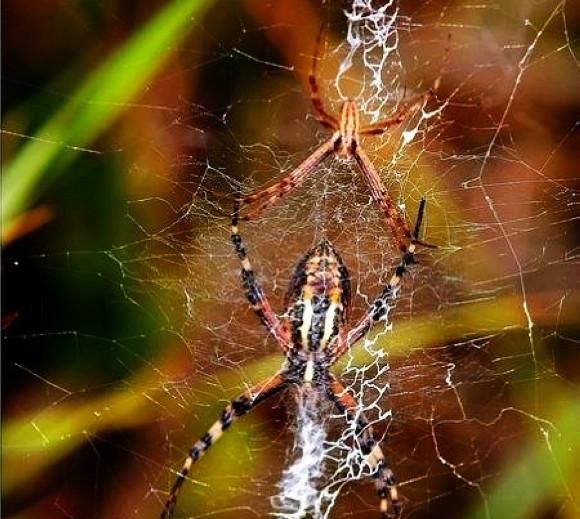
(318, 298)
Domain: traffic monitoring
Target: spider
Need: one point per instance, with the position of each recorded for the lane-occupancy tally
(313, 336)
(346, 143)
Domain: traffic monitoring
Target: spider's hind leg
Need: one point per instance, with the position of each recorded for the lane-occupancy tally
(406, 108)
(385, 483)
(238, 407)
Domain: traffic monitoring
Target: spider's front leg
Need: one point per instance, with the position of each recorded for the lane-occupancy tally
(254, 293)
(261, 201)
(406, 240)
(238, 407)
(381, 305)
(402, 113)
(385, 482)
(381, 196)
(326, 119)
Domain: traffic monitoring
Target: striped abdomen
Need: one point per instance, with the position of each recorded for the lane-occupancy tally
(318, 298)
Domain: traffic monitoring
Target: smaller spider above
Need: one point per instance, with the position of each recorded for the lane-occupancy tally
(346, 143)
(313, 335)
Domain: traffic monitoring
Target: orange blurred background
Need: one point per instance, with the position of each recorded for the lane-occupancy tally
(125, 329)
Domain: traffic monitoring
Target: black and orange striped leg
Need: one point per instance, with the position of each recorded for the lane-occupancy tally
(385, 483)
(238, 407)
(256, 296)
(380, 307)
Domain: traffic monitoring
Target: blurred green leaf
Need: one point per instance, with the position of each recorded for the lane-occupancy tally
(96, 103)
(52, 433)
(545, 471)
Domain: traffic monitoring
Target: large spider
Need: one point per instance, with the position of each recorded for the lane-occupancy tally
(312, 334)
(345, 142)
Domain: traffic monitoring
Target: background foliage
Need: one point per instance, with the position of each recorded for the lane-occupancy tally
(92, 361)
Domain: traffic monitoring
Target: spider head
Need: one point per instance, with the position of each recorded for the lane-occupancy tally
(349, 128)
(318, 297)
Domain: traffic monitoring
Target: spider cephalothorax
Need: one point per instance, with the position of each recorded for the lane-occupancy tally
(313, 334)
(348, 130)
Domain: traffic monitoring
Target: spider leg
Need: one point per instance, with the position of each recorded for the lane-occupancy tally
(238, 407)
(326, 119)
(385, 482)
(263, 200)
(381, 305)
(394, 218)
(407, 107)
(256, 296)
(400, 115)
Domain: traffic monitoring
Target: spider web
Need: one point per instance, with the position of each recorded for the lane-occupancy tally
(477, 351)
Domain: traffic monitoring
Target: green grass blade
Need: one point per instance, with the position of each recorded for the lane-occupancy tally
(96, 103)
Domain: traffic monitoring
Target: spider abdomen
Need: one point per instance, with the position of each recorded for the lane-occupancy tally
(318, 297)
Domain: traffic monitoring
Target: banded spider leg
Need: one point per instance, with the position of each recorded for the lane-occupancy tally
(313, 334)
